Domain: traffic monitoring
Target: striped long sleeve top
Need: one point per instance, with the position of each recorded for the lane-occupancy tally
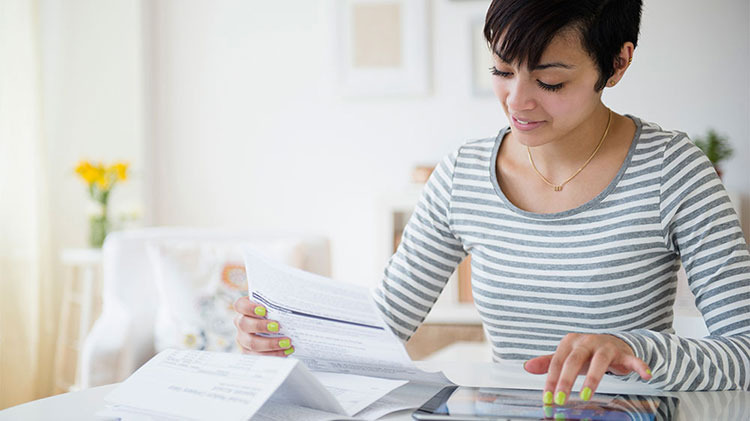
(607, 266)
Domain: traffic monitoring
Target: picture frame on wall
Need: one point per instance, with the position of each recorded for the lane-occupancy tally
(481, 60)
(382, 47)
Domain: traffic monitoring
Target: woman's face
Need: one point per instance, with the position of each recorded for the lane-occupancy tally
(553, 100)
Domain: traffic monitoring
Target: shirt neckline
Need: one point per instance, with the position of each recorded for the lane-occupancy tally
(585, 206)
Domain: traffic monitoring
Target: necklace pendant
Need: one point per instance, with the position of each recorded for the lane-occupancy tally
(558, 188)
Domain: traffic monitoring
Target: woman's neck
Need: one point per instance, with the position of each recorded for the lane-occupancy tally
(560, 157)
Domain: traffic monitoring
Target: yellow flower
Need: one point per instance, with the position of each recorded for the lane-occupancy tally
(88, 172)
(105, 177)
(104, 182)
(121, 169)
(82, 166)
(102, 177)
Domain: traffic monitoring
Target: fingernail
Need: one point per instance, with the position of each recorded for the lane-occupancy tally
(524, 365)
(289, 351)
(648, 371)
(560, 398)
(260, 311)
(272, 327)
(549, 411)
(284, 343)
(586, 393)
(560, 416)
(547, 398)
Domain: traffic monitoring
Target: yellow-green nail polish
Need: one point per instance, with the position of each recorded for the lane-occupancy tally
(547, 398)
(284, 343)
(272, 327)
(648, 371)
(560, 398)
(586, 393)
(288, 351)
(560, 416)
(260, 311)
(549, 411)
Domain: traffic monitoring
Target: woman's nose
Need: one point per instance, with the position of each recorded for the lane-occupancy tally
(520, 96)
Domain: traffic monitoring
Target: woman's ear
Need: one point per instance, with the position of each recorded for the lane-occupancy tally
(622, 62)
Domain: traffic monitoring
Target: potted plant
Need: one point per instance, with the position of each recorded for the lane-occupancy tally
(716, 147)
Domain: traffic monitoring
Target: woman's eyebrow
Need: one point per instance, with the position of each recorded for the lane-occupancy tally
(555, 64)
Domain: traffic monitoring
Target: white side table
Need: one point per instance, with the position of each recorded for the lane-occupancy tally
(81, 292)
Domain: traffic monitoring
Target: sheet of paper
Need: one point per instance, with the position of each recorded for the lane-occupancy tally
(129, 413)
(270, 411)
(281, 411)
(355, 393)
(409, 396)
(334, 326)
(214, 385)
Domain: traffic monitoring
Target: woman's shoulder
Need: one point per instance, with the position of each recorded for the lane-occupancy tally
(673, 143)
(650, 132)
(481, 148)
(471, 151)
(676, 151)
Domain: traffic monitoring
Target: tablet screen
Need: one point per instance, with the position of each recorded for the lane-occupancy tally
(474, 403)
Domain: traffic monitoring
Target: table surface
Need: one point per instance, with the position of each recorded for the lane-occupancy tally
(731, 405)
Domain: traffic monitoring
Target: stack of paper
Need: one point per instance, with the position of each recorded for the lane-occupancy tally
(347, 362)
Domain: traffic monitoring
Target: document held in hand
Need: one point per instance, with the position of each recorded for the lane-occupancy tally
(334, 326)
(346, 359)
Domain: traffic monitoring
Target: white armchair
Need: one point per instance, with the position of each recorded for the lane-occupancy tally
(122, 338)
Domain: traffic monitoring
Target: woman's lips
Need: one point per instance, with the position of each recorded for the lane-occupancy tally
(525, 125)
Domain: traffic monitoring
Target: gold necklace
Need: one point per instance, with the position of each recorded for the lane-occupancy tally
(559, 187)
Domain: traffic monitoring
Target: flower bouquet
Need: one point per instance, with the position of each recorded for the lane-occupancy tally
(100, 180)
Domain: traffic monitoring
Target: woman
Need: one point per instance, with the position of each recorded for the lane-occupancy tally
(577, 219)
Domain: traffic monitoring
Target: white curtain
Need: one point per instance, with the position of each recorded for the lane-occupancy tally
(27, 322)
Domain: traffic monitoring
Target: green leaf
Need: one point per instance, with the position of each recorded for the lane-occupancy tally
(715, 146)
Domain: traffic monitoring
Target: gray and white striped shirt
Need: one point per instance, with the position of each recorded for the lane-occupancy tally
(607, 266)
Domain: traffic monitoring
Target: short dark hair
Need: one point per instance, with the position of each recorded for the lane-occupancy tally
(528, 26)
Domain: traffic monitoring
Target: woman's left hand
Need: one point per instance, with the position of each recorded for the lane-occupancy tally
(590, 355)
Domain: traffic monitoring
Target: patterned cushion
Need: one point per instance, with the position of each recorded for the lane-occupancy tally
(198, 283)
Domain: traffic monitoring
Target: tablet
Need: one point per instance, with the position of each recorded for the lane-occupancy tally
(475, 403)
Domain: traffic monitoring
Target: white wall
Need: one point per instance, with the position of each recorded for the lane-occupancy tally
(91, 59)
(248, 132)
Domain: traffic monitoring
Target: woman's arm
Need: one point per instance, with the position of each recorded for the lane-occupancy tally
(428, 254)
(701, 226)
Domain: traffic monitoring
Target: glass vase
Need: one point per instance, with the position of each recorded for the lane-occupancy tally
(98, 229)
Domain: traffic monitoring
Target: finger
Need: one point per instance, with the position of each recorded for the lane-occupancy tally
(281, 353)
(538, 365)
(244, 306)
(597, 367)
(278, 353)
(250, 325)
(569, 372)
(259, 344)
(555, 366)
(633, 363)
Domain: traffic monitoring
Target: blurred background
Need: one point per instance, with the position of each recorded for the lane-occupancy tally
(257, 115)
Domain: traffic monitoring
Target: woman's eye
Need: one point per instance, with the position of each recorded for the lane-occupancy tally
(547, 87)
(496, 72)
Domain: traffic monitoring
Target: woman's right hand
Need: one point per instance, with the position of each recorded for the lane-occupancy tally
(250, 321)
